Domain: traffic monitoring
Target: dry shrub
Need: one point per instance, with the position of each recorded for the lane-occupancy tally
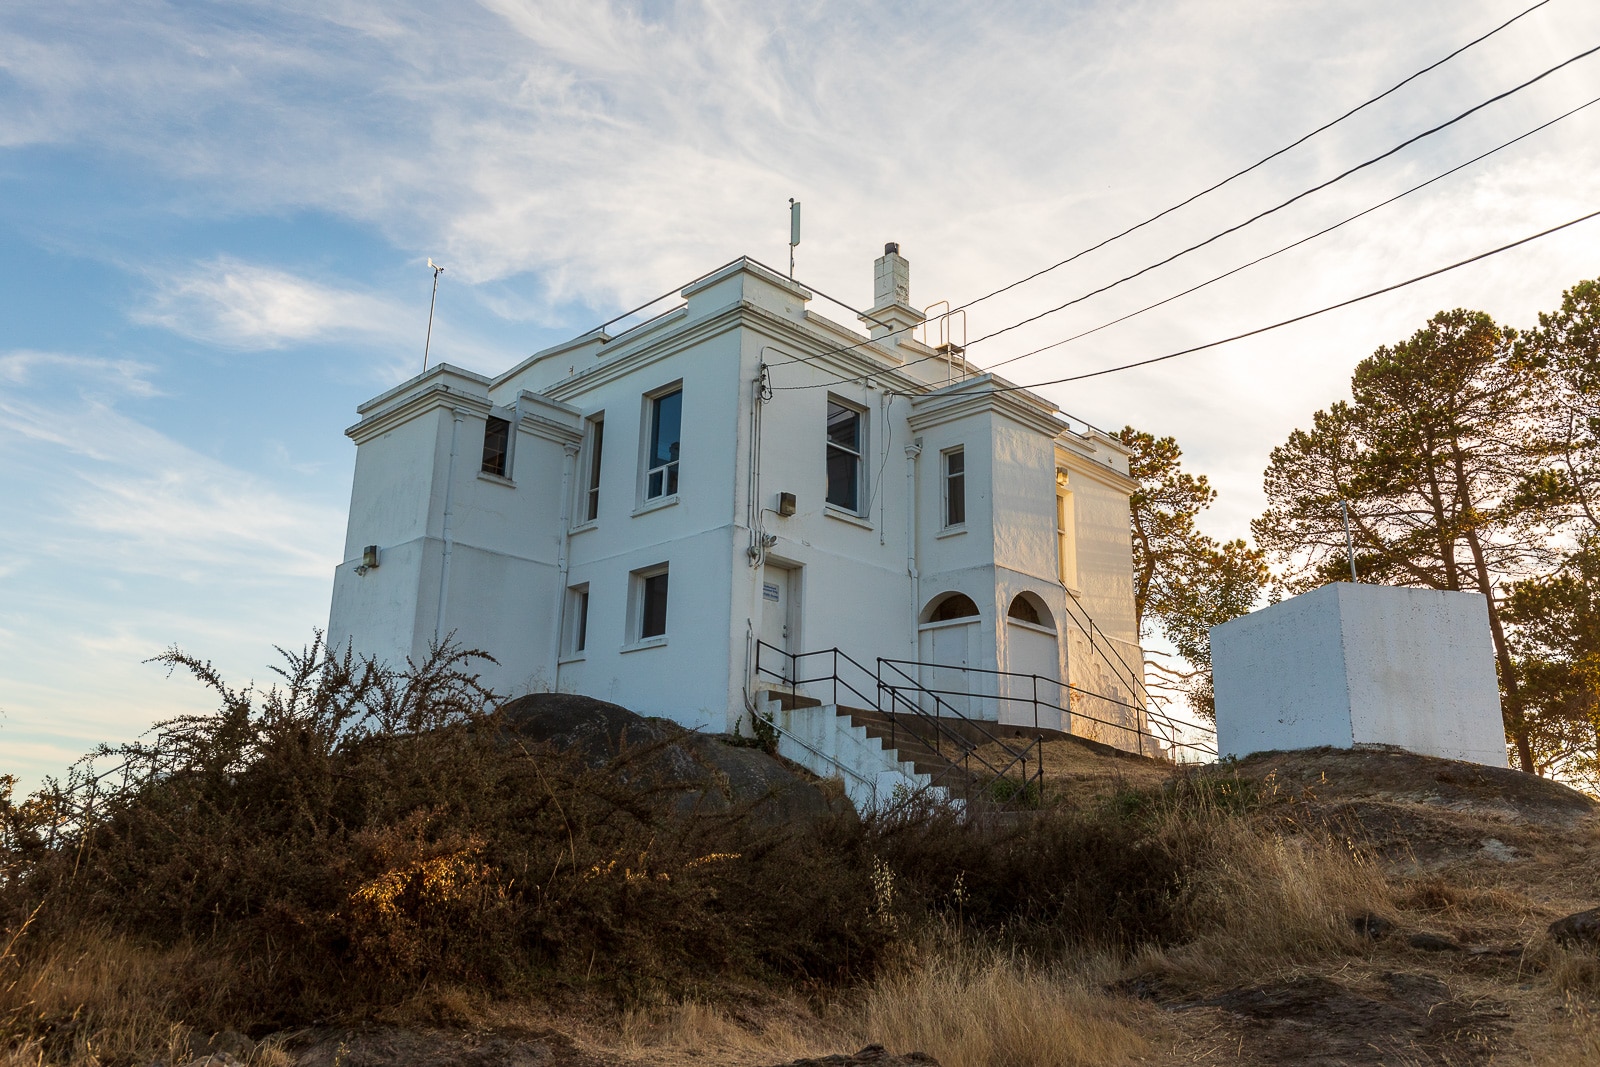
(975, 1008)
(355, 836)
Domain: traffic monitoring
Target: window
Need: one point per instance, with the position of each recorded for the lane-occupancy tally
(661, 462)
(955, 606)
(496, 443)
(844, 456)
(1023, 611)
(650, 594)
(955, 487)
(597, 438)
(577, 620)
(1066, 543)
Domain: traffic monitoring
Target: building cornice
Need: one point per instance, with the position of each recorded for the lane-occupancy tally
(1075, 462)
(979, 395)
(434, 396)
(441, 373)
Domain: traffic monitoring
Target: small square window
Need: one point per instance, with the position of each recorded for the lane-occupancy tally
(955, 487)
(496, 445)
(661, 461)
(844, 451)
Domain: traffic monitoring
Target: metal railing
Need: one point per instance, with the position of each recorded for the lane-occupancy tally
(943, 729)
(1030, 695)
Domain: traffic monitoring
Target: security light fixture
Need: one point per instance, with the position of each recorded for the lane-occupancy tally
(369, 557)
(786, 504)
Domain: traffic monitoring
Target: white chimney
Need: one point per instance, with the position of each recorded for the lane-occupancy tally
(891, 289)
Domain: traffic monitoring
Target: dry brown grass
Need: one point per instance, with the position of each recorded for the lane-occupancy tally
(1264, 902)
(974, 1008)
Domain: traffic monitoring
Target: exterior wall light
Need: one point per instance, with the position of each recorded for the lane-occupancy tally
(369, 560)
(786, 504)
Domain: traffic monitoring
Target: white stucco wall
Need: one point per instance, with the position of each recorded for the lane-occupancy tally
(851, 576)
(1361, 664)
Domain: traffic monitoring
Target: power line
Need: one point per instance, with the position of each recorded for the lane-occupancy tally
(1258, 163)
(1211, 188)
(1293, 199)
(1295, 244)
(1241, 225)
(1297, 318)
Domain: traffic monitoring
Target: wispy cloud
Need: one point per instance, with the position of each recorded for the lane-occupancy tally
(243, 305)
(126, 376)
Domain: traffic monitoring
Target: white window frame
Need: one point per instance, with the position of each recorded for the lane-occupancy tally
(647, 423)
(637, 585)
(589, 488)
(863, 494)
(945, 478)
(575, 643)
(509, 417)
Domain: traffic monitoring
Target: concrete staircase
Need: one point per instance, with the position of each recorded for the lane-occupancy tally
(881, 758)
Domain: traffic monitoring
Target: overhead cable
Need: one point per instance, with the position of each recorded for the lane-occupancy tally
(1218, 185)
(1291, 321)
(1294, 244)
(1238, 226)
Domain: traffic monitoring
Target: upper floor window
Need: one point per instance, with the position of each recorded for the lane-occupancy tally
(955, 487)
(844, 456)
(591, 495)
(496, 445)
(661, 461)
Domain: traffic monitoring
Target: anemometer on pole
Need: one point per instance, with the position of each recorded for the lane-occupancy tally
(794, 232)
(428, 341)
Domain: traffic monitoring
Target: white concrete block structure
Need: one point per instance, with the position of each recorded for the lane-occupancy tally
(1349, 664)
(633, 517)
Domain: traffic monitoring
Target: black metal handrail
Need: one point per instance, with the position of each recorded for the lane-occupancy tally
(965, 750)
(1037, 702)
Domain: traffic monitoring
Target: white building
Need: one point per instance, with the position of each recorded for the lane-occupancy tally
(632, 517)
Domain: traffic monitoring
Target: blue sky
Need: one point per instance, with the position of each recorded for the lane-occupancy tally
(215, 221)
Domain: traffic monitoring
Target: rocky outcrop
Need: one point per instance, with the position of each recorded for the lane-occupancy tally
(712, 773)
(1578, 930)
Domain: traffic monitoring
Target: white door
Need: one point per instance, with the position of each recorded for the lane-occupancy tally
(944, 648)
(775, 624)
(1031, 650)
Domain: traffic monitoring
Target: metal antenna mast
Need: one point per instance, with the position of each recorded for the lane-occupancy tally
(428, 343)
(794, 232)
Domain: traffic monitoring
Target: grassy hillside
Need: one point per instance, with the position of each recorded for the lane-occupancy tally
(365, 867)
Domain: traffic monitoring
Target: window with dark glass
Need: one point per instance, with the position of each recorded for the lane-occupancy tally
(597, 437)
(661, 464)
(844, 456)
(496, 441)
(955, 487)
(653, 604)
(580, 638)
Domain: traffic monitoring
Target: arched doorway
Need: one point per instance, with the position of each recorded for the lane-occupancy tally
(947, 642)
(1033, 661)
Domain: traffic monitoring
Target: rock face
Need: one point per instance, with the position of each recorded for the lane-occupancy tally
(1579, 930)
(713, 773)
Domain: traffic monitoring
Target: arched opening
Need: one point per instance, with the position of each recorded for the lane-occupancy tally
(1033, 662)
(1025, 607)
(947, 642)
(950, 607)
